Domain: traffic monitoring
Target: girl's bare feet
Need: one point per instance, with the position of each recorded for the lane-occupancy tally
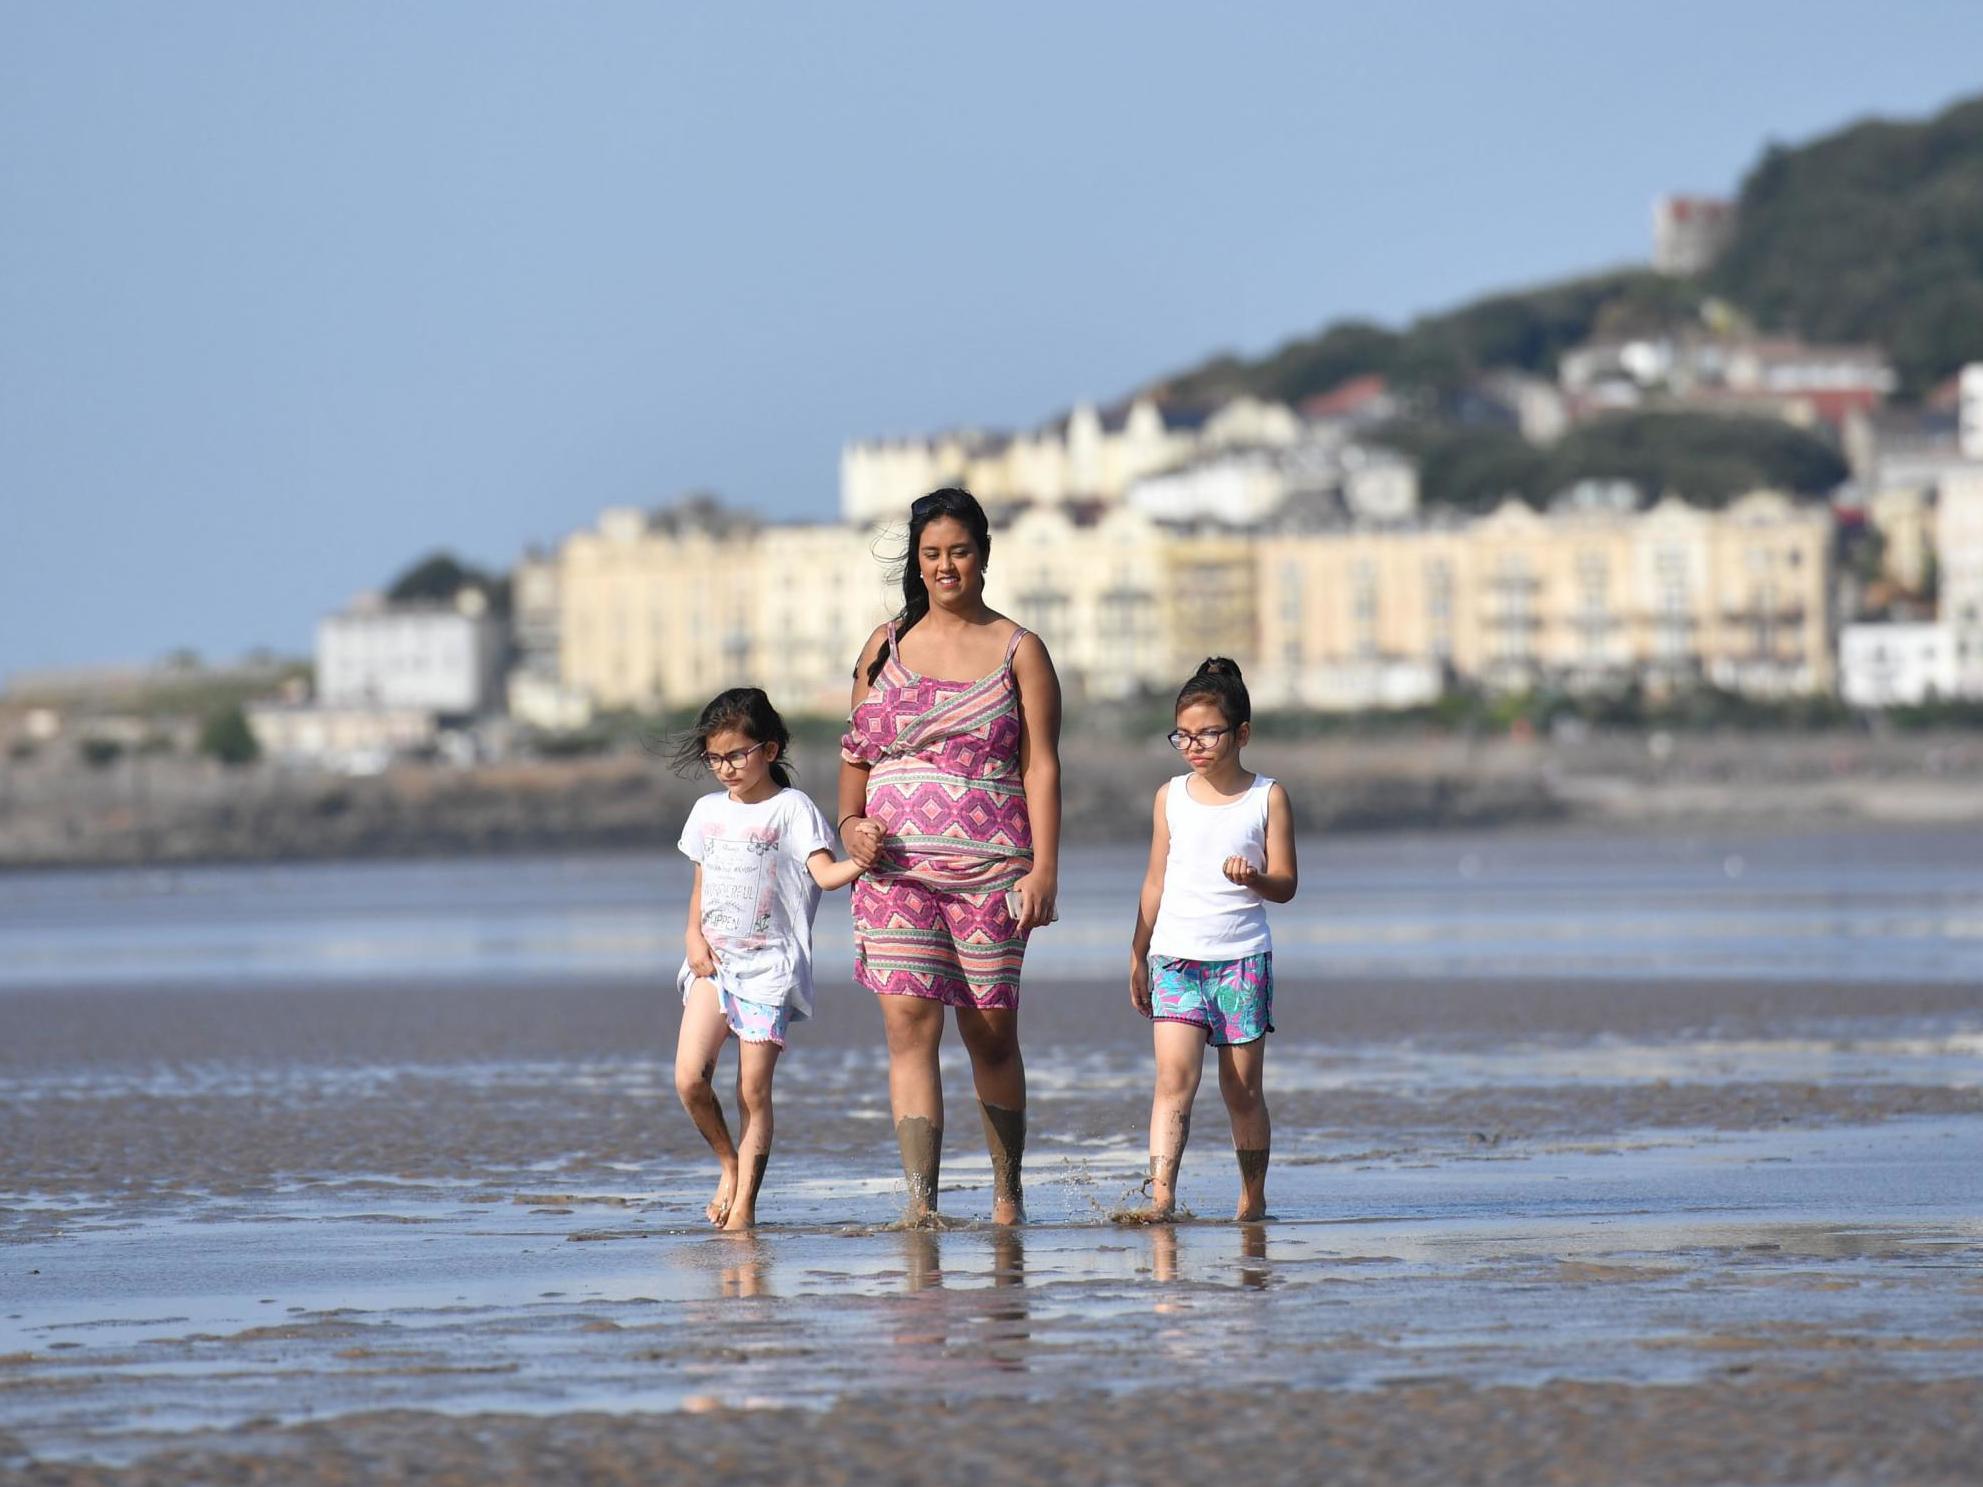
(743, 1204)
(718, 1209)
(1252, 1184)
(1161, 1185)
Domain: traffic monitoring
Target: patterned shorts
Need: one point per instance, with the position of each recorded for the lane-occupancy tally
(1232, 1000)
(752, 1022)
(961, 949)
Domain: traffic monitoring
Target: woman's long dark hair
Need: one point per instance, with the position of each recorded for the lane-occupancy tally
(961, 506)
(1218, 682)
(744, 710)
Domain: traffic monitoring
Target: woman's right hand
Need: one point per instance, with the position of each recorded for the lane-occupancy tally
(702, 960)
(863, 837)
(1139, 984)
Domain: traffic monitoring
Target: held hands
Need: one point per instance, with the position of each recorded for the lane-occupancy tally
(1139, 984)
(863, 837)
(702, 960)
(1239, 870)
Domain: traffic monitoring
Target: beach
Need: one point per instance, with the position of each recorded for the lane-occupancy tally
(1597, 1158)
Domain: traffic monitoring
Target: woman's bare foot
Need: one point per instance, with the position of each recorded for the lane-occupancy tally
(1251, 1208)
(1150, 1213)
(718, 1209)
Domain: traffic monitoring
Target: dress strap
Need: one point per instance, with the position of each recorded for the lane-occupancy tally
(1019, 633)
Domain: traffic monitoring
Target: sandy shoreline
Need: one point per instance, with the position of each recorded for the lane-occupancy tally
(1829, 1428)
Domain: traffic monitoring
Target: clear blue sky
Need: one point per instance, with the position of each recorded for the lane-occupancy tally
(291, 294)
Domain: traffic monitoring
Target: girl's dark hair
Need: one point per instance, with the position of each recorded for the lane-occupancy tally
(1217, 681)
(960, 505)
(745, 710)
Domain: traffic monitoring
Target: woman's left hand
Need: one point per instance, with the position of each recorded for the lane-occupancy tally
(1037, 892)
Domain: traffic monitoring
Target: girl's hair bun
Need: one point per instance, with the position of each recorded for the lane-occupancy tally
(1217, 681)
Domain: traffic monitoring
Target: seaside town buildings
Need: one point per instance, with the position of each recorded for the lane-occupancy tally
(1139, 540)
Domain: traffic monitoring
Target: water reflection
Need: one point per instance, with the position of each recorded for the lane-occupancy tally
(747, 1270)
(1253, 1246)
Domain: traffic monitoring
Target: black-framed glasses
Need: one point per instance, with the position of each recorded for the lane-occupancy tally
(1209, 738)
(736, 758)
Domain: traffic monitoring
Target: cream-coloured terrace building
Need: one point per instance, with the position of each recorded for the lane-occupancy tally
(666, 610)
(1582, 598)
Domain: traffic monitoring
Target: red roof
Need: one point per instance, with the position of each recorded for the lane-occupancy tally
(1345, 397)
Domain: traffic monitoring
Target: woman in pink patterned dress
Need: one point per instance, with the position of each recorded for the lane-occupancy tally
(950, 798)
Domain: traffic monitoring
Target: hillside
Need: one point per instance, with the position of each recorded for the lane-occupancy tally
(1870, 234)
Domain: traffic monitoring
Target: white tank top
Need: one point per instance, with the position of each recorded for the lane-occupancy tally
(1203, 914)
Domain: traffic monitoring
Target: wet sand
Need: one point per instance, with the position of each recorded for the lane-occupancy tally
(1619, 1230)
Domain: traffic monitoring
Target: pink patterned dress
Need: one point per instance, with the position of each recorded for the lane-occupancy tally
(932, 919)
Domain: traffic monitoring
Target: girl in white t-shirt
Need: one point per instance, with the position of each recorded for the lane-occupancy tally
(1201, 963)
(762, 854)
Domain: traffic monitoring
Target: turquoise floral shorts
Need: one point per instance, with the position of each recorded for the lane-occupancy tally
(1232, 1000)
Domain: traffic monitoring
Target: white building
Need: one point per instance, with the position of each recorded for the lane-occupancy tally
(1959, 547)
(1690, 232)
(356, 740)
(443, 658)
(1242, 487)
(1896, 665)
(1970, 418)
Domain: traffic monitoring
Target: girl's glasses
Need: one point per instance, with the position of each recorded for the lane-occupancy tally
(1211, 738)
(736, 758)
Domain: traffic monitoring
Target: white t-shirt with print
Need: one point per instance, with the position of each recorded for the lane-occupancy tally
(758, 898)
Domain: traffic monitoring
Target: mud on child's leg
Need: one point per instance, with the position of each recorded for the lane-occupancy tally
(1242, 1072)
(704, 1029)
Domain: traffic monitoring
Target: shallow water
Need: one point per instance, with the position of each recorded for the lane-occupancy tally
(284, 1145)
(1844, 906)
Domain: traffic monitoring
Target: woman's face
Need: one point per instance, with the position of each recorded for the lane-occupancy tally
(953, 569)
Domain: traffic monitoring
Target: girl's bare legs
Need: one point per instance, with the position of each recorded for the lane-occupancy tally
(1241, 1071)
(1180, 1059)
(914, 1028)
(755, 1064)
(703, 1030)
(991, 1037)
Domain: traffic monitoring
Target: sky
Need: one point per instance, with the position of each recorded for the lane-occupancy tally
(292, 295)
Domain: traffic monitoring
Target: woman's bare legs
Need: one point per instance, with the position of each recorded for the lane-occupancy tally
(998, 1072)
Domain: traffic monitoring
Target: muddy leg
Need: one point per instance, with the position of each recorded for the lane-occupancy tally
(915, 1095)
(991, 1037)
(1180, 1049)
(703, 1030)
(755, 1065)
(1241, 1072)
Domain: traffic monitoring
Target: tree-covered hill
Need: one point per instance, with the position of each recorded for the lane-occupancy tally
(1872, 234)
(1706, 458)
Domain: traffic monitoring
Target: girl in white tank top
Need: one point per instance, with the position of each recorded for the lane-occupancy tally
(1202, 957)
